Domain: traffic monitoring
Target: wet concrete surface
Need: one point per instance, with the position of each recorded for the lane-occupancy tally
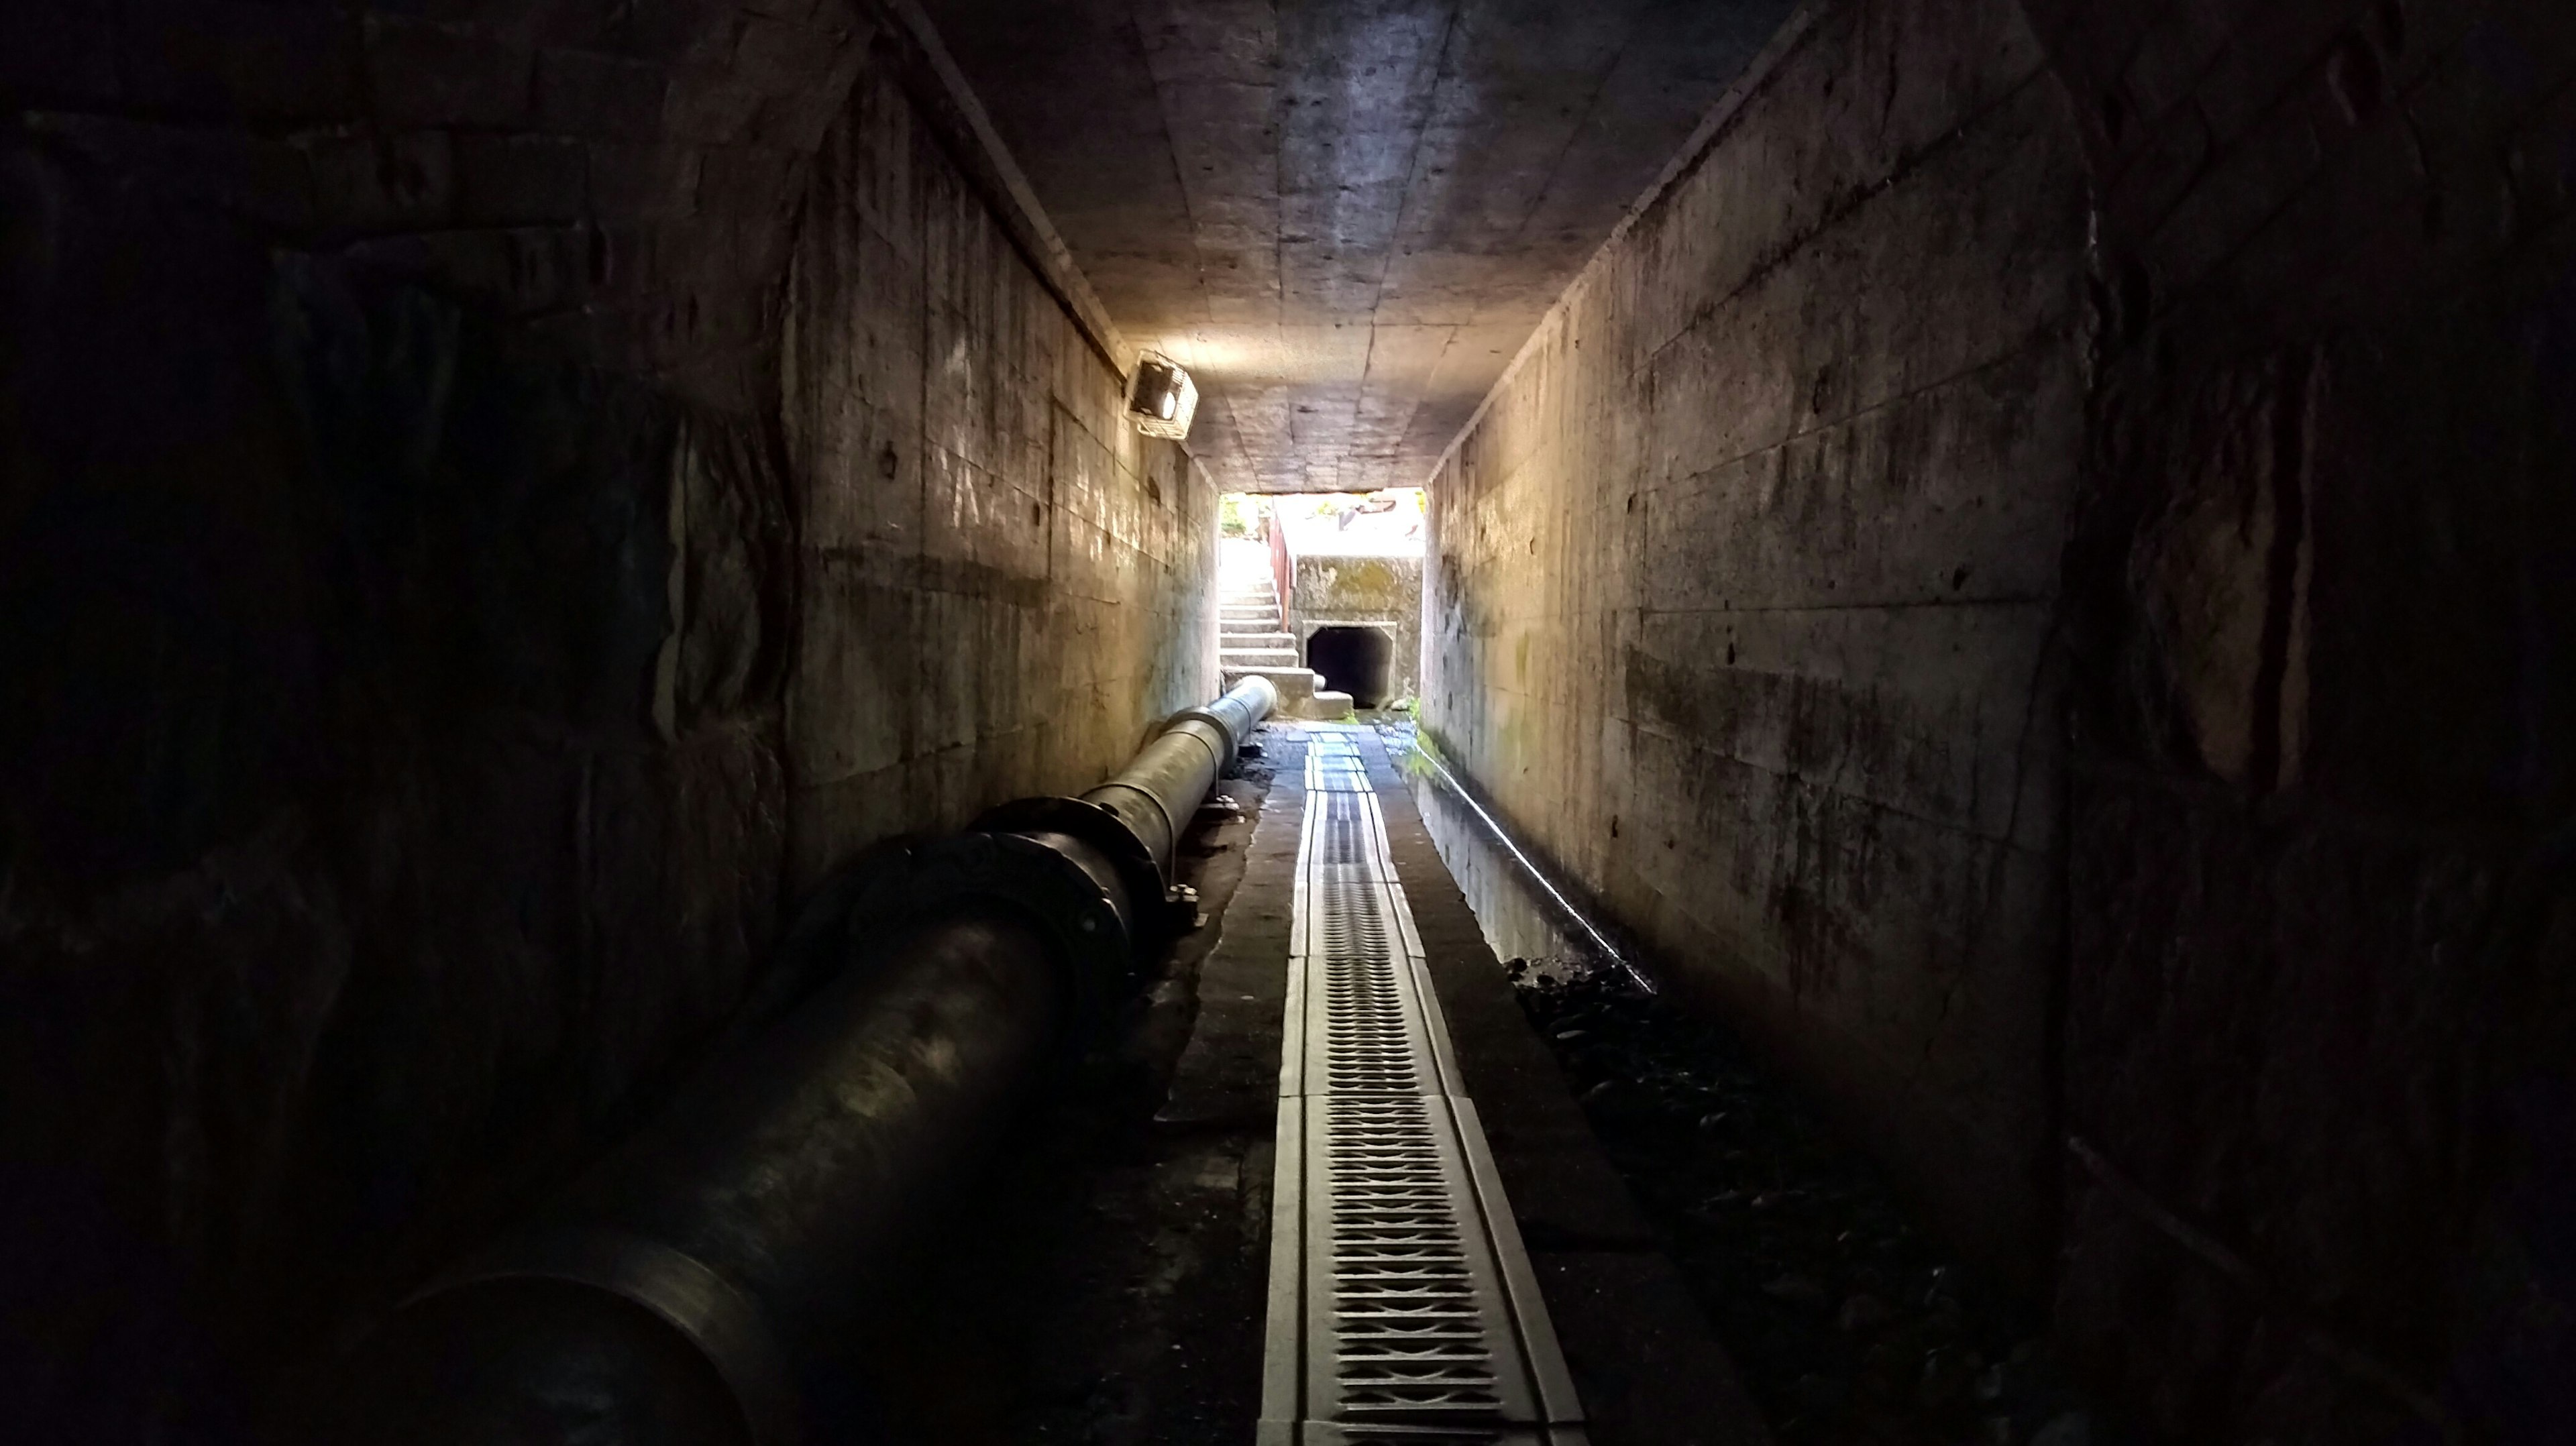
(1850, 1326)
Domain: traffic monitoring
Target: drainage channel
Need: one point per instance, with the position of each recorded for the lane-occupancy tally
(1402, 1307)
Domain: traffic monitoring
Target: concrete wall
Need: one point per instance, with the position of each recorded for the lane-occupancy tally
(1004, 586)
(1742, 587)
(1333, 588)
(2118, 695)
(447, 611)
(2323, 592)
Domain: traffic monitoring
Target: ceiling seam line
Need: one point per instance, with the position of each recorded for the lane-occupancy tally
(1395, 238)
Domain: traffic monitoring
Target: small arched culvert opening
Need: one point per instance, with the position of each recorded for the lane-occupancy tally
(1358, 660)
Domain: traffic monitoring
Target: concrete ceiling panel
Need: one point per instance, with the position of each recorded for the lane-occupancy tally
(1344, 216)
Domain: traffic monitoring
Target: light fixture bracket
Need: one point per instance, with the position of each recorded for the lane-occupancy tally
(1161, 398)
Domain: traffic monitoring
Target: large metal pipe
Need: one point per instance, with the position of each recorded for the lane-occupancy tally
(1155, 795)
(675, 1292)
(751, 1221)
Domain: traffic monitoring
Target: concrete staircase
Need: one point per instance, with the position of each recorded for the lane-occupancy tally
(1252, 639)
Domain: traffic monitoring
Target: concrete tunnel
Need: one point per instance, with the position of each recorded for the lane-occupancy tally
(1971, 842)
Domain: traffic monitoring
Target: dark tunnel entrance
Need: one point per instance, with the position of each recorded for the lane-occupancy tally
(1355, 660)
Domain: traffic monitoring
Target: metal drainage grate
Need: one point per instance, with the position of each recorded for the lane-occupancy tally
(1402, 1308)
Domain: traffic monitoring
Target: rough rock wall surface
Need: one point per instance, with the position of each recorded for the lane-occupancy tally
(493, 499)
(1742, 588)
(2320, 1051)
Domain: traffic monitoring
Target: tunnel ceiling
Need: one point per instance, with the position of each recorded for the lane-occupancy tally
(1344, 218)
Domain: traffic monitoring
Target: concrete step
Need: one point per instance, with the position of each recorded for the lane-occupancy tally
(1256, 657)
(1254, 638)
(1252, 625)
(1326, 706)
(1295, 685)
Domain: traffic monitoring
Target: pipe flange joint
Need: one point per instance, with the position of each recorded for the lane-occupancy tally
(1138, 874)
(1046, 886)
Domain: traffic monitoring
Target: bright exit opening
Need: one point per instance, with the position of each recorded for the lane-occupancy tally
(1341, 573)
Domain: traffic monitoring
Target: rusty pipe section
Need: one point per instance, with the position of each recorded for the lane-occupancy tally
(679, 1290)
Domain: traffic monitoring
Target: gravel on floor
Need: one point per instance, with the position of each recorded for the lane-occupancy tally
(1849, 1326)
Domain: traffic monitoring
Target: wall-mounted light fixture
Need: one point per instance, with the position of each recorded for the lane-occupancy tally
(1162, 398)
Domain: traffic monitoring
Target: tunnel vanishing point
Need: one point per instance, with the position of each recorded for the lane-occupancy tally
(580, 590)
